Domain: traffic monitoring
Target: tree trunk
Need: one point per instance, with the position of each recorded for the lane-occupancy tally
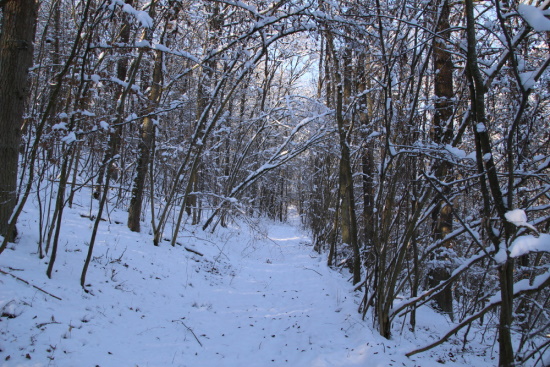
(483, 150)
(116, 133)
(16, 55)
(347, 205)
(441, 133)
(147, 137)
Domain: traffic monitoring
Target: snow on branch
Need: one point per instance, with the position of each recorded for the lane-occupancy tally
(430, 293)
(518, 218)
(529, 243)
(140, 15)
(277, 159)
(535, 17)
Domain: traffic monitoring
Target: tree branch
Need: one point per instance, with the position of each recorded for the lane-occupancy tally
(24, 281)
(539, 284)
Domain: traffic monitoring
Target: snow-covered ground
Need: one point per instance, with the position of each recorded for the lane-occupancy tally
(254, 296)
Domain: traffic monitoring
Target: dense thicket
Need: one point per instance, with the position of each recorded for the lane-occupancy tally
(410, 136)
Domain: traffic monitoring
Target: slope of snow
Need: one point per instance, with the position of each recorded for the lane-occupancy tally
(257, 297)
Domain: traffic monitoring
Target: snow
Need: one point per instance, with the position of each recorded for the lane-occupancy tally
(529, 243)
(160, 47)
(143, 43)
(534, 17)
(60, 126)
(69, 138)
(118, 81)
(253, 297)
(87, 113)
(104, 125)
(141, 16)
(524, 285)
(144, 18)
(518, 218)
(480, 127)
(501, 256)
(544, 164)
(131, 117)
(457, 152)
(528, 79)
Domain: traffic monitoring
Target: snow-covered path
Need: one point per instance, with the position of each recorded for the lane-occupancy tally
(250, 298)
(281, 307)
(244, 302)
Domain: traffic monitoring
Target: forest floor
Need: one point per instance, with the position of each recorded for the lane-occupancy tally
(254, 294)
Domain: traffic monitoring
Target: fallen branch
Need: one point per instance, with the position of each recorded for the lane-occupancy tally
(455, 329)
(91, 217)
(193, 251)
(32, 285)
(41, 325)
(188, 328)
(313, 270)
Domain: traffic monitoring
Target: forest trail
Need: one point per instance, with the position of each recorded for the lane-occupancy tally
(279, 306)
(251, 295)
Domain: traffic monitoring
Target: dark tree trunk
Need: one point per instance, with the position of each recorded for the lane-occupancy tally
(16, 55)
(441, 133)
(116, 133)
(147, 137)
(494, 192)
(347, 197)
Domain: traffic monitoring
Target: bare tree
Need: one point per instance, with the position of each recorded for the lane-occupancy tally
(441, 134)
(16, 57)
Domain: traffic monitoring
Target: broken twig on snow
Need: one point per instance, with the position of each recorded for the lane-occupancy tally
(32, 285)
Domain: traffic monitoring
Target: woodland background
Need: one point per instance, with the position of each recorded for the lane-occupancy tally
(411, 136)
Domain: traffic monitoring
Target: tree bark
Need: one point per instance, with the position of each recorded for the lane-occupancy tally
(441, 133)
(147, 137)
(486, 162)
(16, 56)
(115, 135)
(347, 197)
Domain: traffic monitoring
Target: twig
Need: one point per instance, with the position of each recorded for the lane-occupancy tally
(41, 325)
(193, 251)
(91, 217)
(358, 287)
(313, 270)
(32, 285)
(188, 328)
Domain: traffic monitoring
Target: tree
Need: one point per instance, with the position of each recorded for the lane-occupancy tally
(147, 129)
(16, 57)
(441, 134)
